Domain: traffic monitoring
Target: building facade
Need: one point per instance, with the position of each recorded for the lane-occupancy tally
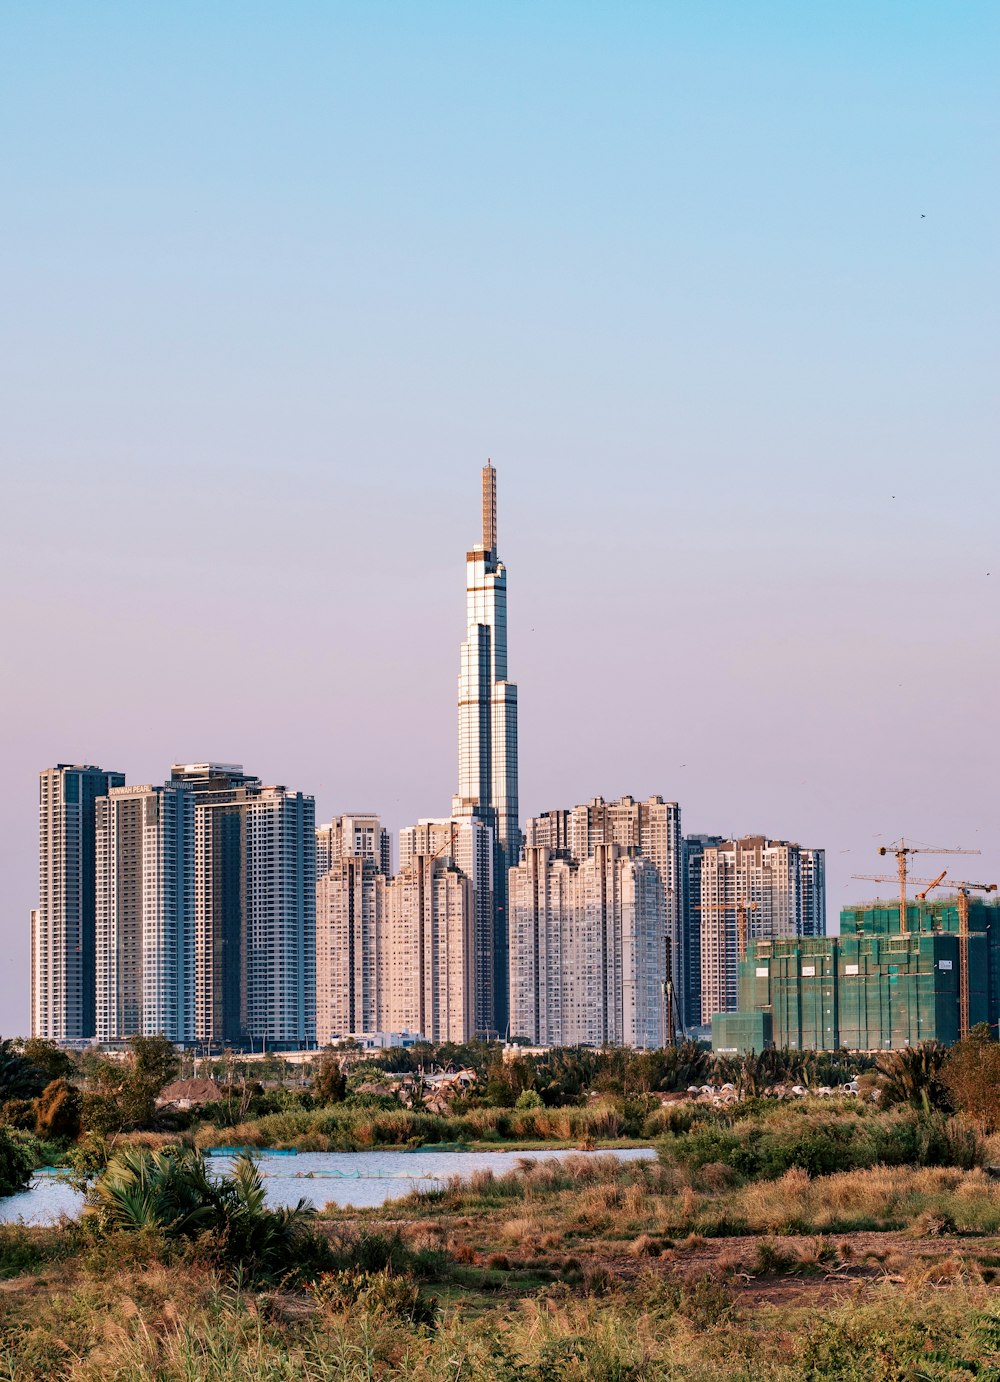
(64, 934)
(587, 958)
(351, 976)
(145, 913)
(255, 909)
(359, 835)
(694, 849)
(487, 730)
(781, 888)
(429, 951)
(650, 829)
(469, 843)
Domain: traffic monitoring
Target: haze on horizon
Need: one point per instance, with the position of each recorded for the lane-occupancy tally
(715, 288)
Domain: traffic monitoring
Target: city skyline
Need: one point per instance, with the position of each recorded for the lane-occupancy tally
(733, 356)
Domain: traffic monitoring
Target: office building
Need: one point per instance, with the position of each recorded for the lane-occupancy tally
(587, 958)
(145, 913)
(64, 975)
(487, 731)
(429, 950)
(780, 889)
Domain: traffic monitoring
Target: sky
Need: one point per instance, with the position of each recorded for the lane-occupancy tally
(714, 285)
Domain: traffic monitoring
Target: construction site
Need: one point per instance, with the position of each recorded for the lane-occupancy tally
(925, 968)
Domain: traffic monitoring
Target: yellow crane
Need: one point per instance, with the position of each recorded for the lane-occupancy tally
(902, 851)
(963, 889)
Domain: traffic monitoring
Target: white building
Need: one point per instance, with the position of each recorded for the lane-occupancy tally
(145, 913)
(780, 886)
(587, 959)
(63, 950)
(650, 828)
(359, 835)
(429, 950)
(351, 976)
(469, 843)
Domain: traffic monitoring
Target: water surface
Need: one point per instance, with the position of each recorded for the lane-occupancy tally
(360, 1179)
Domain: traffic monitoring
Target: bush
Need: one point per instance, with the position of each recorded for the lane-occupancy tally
(58, 1110)
(528, 1098)
(823, 1146)
(379, 1293)
(170, 1193)
(16, 1164)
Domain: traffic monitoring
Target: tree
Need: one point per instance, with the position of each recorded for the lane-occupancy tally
(46, 1057)
(16, 1164)
(972, 1076)
(329, 1084)
(20, 1078)
(154, 1061)
(58, 1109)
(913, 1075)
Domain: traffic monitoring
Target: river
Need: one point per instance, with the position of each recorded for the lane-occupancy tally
(360, 1179)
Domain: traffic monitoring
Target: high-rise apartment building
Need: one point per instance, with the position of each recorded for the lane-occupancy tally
(255, 909)
(487, 728)
(353, 861)
(64, 976)
(587, 959)
(430, 940)
(650, 828)
(279, 954)
(782, 888)
(694, 847)
(469, 843)
(358, 835)
(145, 912)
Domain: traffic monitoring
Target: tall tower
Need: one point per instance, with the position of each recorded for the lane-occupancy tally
(487, 733)
(64, 939)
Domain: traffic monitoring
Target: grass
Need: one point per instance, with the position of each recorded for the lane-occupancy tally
(737, 1267)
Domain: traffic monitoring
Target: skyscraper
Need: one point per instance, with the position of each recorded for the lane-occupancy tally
(782, 887)
(255, 909)
(359, 835)
(429, 950)
(650, 828)
(469, 843)
(487, 727)
(63, 982)
(352, 867)
(145, 912)
(587, 959)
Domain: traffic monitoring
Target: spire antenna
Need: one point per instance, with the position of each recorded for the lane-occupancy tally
(490, 507)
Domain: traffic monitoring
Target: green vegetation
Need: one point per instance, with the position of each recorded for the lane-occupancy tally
(557, 1272)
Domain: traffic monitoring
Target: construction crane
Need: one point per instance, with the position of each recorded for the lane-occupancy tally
(963, 889)
(741, 919)
(902, 851)
(922, 897)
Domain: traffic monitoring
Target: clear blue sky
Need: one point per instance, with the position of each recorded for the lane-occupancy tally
(716, 287)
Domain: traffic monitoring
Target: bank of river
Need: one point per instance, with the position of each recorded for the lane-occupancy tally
(361, 1179)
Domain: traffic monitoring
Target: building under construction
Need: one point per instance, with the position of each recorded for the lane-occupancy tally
(873, 987)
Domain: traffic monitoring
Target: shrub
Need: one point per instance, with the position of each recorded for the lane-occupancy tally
(16, 1164)
(972, 1077)
(379, 1293)
(528, 1098)
(57, 1110)
(170, 1192)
